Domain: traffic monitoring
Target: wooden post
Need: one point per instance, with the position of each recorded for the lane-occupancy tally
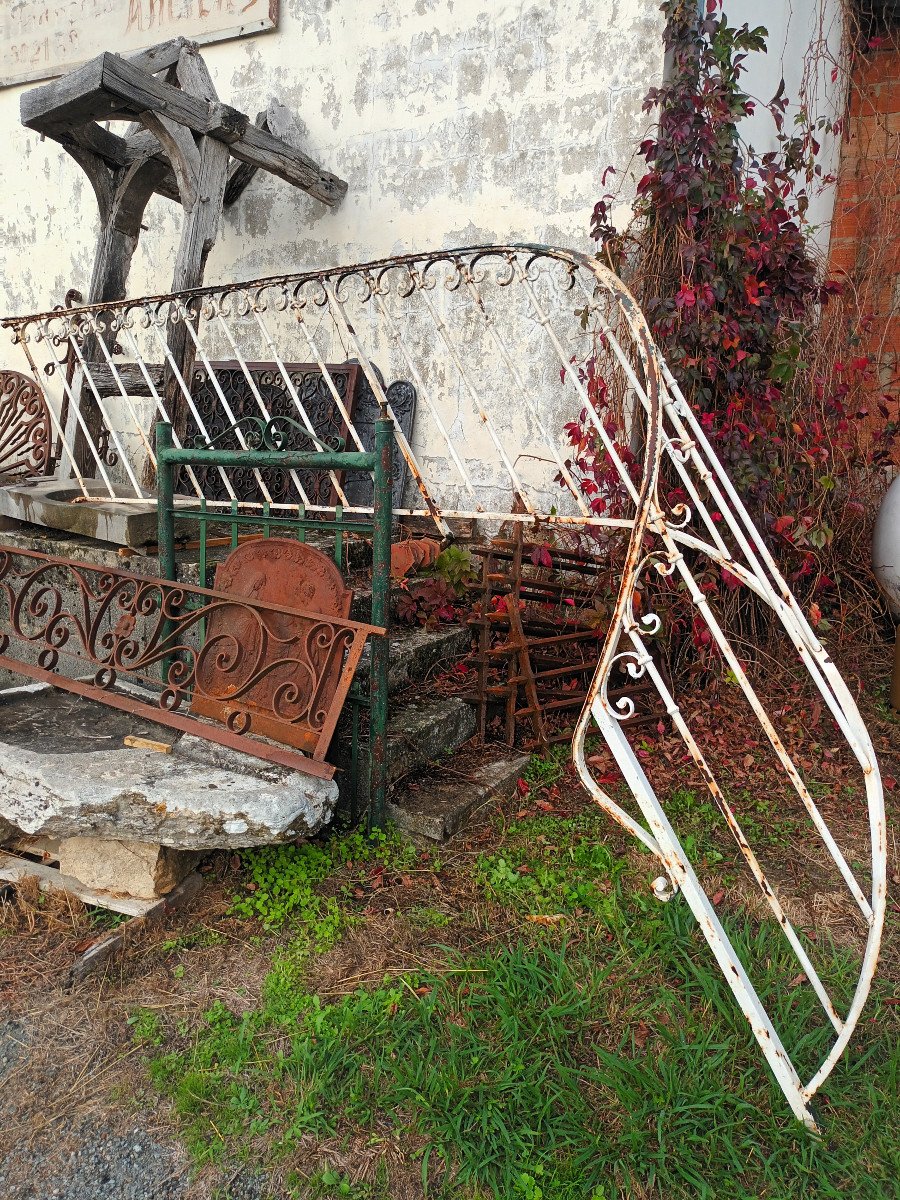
(198, 236)
(179, 144)
(122, 196)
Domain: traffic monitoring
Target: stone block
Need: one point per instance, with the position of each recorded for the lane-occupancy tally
(145, 870)
(64, 773)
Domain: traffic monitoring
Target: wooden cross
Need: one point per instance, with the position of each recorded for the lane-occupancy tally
(182, 143)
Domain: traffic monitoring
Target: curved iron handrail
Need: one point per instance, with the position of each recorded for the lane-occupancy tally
(658, 537)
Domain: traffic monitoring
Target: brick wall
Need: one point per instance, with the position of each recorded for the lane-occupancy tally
(865, 235)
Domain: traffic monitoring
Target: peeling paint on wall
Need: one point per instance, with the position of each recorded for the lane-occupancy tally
(450, 123)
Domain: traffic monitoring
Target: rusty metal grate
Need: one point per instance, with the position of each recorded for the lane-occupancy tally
(25, 432)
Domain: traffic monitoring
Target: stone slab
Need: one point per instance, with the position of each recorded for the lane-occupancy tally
(58, 504)
(415, 652)
(102, 789)
(424, 732)
(436, 809)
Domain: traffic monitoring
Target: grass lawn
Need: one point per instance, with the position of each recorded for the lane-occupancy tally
(522, 1019)
(511, 1017)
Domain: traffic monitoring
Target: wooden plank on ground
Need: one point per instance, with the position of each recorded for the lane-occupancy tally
(14, 869)
(109, 944)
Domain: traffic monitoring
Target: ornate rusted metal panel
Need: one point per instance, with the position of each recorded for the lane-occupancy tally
(227, 393)
(178, 645)
(401, 397)
(499, 343)
(25, 432)
(289, 574)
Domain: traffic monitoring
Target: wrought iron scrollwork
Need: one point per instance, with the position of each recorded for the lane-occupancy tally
(282, 430)
(25, 431)
(266, 669)
(276, 433)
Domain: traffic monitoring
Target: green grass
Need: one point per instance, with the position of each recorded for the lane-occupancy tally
(601, 1059)
(285, 882)
(542, 770)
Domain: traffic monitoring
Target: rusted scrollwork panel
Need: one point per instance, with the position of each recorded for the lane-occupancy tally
(25, 432)
(62, 620)
(299, 691)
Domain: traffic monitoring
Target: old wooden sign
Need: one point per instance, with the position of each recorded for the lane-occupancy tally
(40, 39)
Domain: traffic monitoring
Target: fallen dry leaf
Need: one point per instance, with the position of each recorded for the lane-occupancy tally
(545, 919)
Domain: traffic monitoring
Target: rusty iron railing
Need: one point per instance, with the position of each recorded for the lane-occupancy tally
(499, 342)
(25, 432)
(161, 650)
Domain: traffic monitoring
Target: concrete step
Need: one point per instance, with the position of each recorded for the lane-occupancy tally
(436, 808)
(422, 733)
(415, 652)
(418, 735)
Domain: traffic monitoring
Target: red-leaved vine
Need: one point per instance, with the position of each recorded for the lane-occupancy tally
(719, 257)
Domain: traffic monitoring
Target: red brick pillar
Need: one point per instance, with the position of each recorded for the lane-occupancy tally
(864, 250)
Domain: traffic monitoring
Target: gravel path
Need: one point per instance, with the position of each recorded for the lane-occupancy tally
(105, 1166)
(93, 1158)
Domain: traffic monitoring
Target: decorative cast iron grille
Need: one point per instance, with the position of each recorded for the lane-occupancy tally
(262, 390)
(25, 433)
(271, 670)
(229, 393)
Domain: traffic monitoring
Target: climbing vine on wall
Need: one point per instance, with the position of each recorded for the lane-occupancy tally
(720, 257)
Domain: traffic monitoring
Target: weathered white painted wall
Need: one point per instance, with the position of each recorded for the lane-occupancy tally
(804, 47)
(453, 121)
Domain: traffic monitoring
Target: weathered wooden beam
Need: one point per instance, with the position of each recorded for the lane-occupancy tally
(138, 146)
(181, 151)
(110, 87)
(67, 102)
(192, 73)
(160, 57)
(240, 174)
(260, 149)
(131, 375)
(198, 235)
(102, 142)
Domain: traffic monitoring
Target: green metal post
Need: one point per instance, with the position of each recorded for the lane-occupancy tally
(203, 524)
(165, 522)
(339, 536)
(381, 586)
(165, 502)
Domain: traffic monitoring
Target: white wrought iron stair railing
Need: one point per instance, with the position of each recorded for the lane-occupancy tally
(499, 343)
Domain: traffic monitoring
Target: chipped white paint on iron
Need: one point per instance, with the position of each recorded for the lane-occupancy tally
(547, 314)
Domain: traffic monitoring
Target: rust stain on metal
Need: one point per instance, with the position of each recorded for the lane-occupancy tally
(149, 632)
(292, 697)
(25, 431)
